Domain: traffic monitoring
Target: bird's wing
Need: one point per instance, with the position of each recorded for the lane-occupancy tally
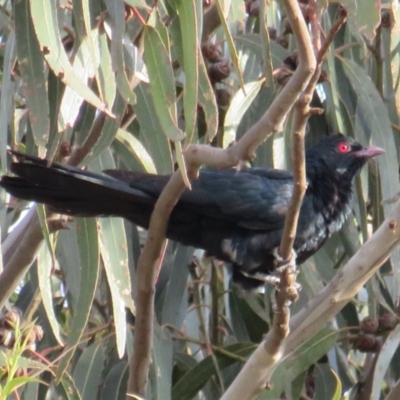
(255, 199)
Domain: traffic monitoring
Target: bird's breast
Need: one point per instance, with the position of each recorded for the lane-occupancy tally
(326, 222)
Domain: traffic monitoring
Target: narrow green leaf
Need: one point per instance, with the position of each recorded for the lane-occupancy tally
(161, 369)
(31, 65)
(188, 386)
(84, 125)
(137, 150)
(248, 316)
(116, 21)
(115, 382)
(44, 17)
(17, 382)
(110, 128)
(85, 66)
(162, 83)
(338, 391)
(365, 15)
(231, 44)
(67, 390)
(41, 213)
(373, 118)
(266, 47)
(310, 279)
(207, 101)
(237, 11)
(175, 302)
(253, 42)
(82, 15)
(151, 130)
(325, 381)
(237, 322)
(188, 23)
(239, 105)
(88, 371)
(44, 263)
(6, 100)
(106, 81)
(181, 164)
(22, 362)
(86, 235)
(385, 357)
(301, 360)
(114, 253)
(55, 89)
(115, 259)
(67, 255)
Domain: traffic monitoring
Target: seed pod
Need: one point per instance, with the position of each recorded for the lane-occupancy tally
(12, 318)
(272, 33)
(219, 71)
(283, 76)
(368, 325)
(283, 41)
(292, 60)
(386, 18)
(211, 52)
(65, 149)
(38, 332)
(252, 8)
(367, 344)
(341, 11)
(387, 322)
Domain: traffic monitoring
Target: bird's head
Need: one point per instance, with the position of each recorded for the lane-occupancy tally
(341, 154)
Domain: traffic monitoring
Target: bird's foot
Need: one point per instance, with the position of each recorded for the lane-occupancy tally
(284, 264)
(274, 280)
(287, 273)
(277, 275)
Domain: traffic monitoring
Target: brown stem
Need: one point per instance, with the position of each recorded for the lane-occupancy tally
(79, 153)
(340, 20)
(215, 335)
(139, 363)
(211, 22)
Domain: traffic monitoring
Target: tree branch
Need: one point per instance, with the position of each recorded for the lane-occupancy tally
(195, 156)
(322, 308)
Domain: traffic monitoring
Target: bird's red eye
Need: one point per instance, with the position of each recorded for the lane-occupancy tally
(343, 147)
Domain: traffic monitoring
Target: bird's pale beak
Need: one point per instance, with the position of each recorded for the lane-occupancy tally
(369, 152)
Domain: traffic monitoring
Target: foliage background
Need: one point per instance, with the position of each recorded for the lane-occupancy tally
(63, 61)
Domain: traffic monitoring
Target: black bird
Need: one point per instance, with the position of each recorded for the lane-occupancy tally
(236, 216)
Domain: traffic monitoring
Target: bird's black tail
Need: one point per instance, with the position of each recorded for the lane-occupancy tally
(72, 191)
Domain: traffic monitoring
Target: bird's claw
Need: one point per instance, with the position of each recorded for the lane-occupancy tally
(283, 264)
(274, 280)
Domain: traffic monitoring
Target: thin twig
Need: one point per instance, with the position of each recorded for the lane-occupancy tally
(340, 20)
(79, 153)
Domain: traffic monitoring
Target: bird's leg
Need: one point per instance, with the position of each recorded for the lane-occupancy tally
(287, 273)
